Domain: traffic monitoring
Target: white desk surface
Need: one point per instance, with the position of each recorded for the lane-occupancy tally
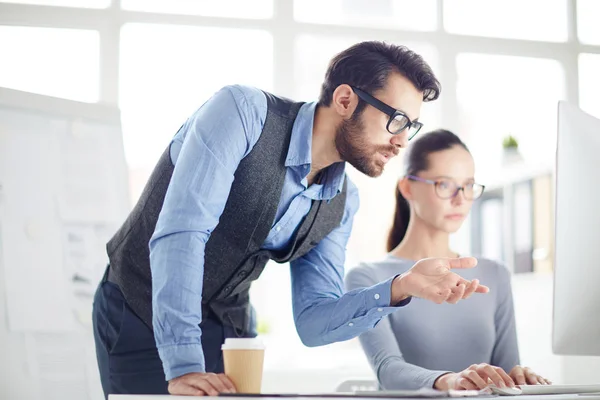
(539, 397)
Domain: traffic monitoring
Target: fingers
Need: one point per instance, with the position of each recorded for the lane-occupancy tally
(453, 293)
(183, 386)
(530, 377)
(482, 289)
(441, 296)
(464, 289)
(533, 378)
(453, 281)
(525, 376)
(465, 384)
(185, 390)
(461, 263)
(518, 376)
(227, 382)
(474, 287)
(540, 380)
(496, 375)
(434, 281)
(206, 386)
(478, 381)
(456, 294)
(201, 384)
(470, 288)
(217, 383)
(507, 379)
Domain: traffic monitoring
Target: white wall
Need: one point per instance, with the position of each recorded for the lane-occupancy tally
(46, 346)
(533, 309)
(533, 306)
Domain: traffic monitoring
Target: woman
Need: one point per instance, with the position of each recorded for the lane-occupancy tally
(461, 346)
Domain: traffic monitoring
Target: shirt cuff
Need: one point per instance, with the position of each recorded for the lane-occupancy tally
(181, 359)
(382, 295)
(377, 300)
(404, 302)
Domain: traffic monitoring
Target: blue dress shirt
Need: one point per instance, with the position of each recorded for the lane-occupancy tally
(206, 152)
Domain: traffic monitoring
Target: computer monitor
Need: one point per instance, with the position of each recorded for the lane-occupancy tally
(576, 319)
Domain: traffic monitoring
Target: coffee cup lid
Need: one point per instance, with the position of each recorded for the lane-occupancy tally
(243, 344)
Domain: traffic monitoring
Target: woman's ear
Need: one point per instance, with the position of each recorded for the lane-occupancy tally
(405, 188)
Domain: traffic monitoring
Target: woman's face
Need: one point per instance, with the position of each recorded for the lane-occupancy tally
(451, 168)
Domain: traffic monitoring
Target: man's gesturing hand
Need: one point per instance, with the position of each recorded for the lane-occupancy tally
(432, 279)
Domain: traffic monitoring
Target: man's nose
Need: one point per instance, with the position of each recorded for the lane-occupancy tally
(400, 139)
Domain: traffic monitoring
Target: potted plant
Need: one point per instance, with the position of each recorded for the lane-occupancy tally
(510, 152)
(263, 327)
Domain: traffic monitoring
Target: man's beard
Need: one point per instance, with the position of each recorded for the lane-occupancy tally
(353, 147)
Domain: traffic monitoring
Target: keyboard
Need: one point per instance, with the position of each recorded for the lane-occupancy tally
(559, 389)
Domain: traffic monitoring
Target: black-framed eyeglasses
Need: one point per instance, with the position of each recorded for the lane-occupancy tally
(446, 188)
(398, 121)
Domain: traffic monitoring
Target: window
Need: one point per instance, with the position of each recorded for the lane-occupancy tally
(589, 83)
(312, 54)
(510, 19)
(396, 14)
(66, 3)
(506, 95)
(167, 72)
(588, 30)
(53, 62)
(221, 8)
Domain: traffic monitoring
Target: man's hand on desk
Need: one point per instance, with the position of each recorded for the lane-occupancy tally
(432, 279)
(201, 384)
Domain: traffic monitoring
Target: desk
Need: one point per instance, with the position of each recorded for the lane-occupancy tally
(162, 397)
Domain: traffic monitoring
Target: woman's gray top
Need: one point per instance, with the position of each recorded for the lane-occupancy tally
(412, 347)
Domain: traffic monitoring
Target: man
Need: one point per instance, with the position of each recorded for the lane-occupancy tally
(252, 177)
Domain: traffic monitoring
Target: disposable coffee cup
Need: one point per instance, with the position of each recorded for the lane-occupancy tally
(243, 359)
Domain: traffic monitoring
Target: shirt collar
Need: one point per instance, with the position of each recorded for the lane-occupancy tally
(300, 152)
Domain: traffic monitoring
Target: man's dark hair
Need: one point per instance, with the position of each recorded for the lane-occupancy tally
(367, 65)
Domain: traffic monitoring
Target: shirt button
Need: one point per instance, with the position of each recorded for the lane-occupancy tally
(376, 296)
(278, 228)
(380, 309)
(351, 324)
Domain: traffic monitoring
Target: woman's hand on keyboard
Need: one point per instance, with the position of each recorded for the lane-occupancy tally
(476, 377)
(525, 376)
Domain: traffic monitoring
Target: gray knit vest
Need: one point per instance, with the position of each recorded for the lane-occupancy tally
(233, 254)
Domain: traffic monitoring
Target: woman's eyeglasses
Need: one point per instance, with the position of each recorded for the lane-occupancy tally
(446, 188)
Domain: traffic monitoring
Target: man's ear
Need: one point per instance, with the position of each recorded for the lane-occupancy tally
(344, 101)
(405, 188)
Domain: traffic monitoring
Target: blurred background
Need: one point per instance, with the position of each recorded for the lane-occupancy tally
(91, 92)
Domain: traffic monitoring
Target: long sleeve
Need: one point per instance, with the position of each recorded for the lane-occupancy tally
(322, 312)
(506, 348)
(207, 152)
(383, 352)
